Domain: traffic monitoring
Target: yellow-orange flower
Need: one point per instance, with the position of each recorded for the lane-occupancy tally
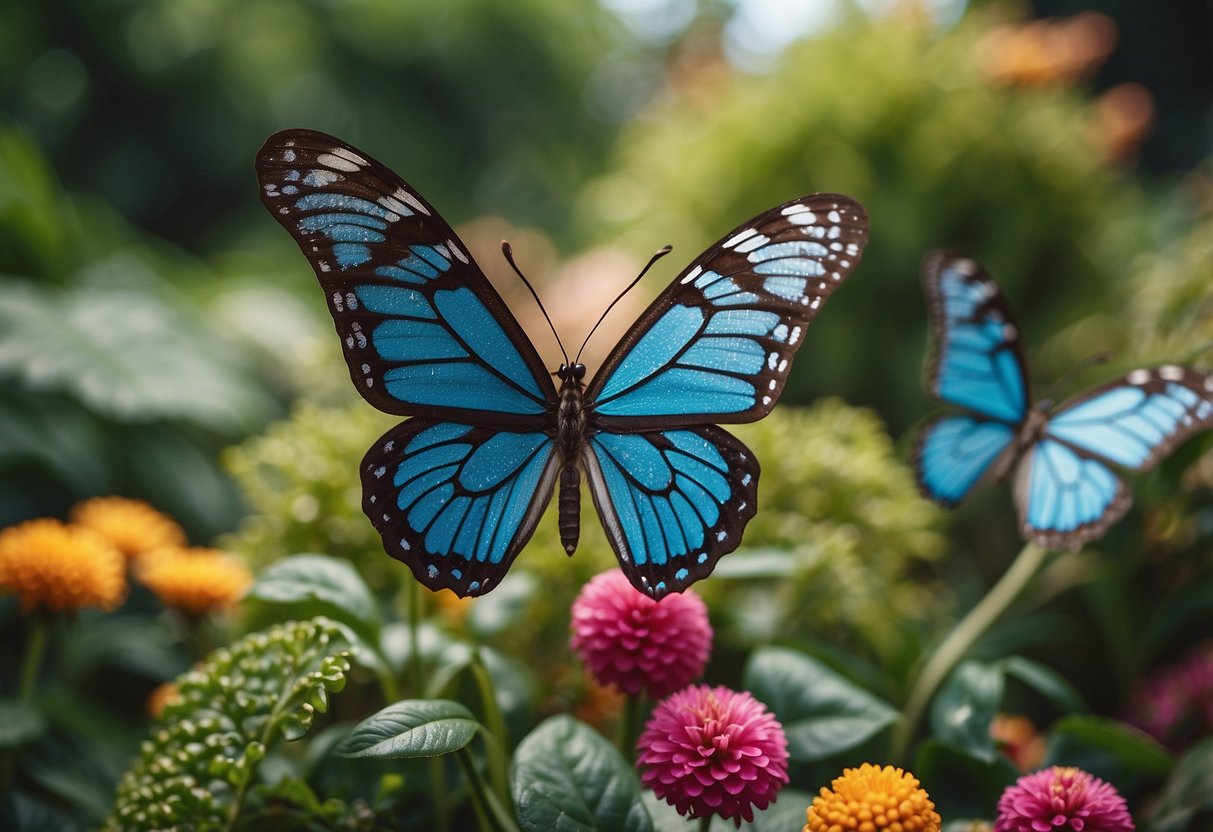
(194, 581)
(131, 526)
(1019, 740)
(60, 567)
(873, 799)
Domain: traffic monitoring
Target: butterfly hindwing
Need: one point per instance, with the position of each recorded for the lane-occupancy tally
(1066, 498)
(672, 502)
(716, 346)
(457, 502)
(424, 331)
(977, 360)
(952, 454)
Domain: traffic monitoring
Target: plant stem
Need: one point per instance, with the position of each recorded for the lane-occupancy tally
(35, 651)
(475, 789)
(958, 642)
(628, 722)
(497, 741)
(442, 796)
(705, 823)
(415, 603)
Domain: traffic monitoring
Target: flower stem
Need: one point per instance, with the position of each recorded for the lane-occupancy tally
(628, 722)
(494, 721)
(415, 603)
(35, 650)
(475, 788)
(962, 638)
(705, 823)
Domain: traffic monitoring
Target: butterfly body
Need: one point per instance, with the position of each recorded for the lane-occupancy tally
(457, 489)
(1062, 460)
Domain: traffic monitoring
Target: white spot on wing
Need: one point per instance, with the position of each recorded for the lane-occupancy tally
(288, 155)
(744, 234)
(1138, 377)
(753, 243)
(329, 160)
(1170, 373)
(459, 255)
(404, 196)
(345, 153)
(691, 275)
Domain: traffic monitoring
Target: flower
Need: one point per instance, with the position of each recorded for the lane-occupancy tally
(712, 751)
(60, 567)
(1019, 740)
(640, 645)
(1175, 706)
(194, 581)
(872, 798)
(1062, 799)
(131, 526)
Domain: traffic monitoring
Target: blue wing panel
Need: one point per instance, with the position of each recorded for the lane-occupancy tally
(717, 345)
(457, 502)
(1139, 419)
(1065, 499)
(424, 331)
(672, 502)
(953, 453)
(977, 362)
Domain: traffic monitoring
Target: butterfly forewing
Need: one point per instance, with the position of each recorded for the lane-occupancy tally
(717, 345)
(423, 330)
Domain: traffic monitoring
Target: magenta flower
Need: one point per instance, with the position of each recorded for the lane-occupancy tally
(1060, 799)
(713, 751)
(639, 645)
(1176, 705)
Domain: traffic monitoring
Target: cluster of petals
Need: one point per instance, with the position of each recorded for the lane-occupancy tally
(195, 581)
(639, 645)
(60, 568)
(873, 799)
(713, 751)
(1175, 706)
(131, 526)
(1062, 799)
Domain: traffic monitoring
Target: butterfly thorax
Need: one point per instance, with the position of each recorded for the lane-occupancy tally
(570, 439)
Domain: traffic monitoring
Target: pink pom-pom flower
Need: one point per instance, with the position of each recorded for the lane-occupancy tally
(1061, 799)
(639, 645)
(713, 751)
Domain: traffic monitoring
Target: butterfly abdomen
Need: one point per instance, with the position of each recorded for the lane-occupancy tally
(569, 506)
(570, 436)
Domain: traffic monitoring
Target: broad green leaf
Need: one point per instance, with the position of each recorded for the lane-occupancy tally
(324, 580)
(822, 713)
(965, 706)
(1045, 681)
(1187, 799)
(1130, 747)
(566, 778)
(19, 723)
(412, 728)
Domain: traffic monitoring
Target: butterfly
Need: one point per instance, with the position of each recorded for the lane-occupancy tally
(1064, 460)
(456, 490)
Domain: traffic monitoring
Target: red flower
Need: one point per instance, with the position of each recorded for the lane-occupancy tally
(640, 645)
(1062, 799)
(713, 751)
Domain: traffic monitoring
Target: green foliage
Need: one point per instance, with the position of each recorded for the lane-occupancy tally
(412, 728)
(197, 766)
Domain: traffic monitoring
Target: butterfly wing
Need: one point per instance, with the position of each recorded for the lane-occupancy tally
(424, 331)
(716, 346)
(977, 361)
(672, 502)
(1066, 490)
(457, 502)
(952, 454)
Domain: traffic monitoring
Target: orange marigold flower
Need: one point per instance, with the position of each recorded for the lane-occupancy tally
(131, 526)
(194, 581)
(60, 567)
(873, 799)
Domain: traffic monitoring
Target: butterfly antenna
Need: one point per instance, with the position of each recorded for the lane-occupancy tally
(508, 251)
(661, 252)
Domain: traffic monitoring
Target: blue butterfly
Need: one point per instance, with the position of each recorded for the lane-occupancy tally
(456, 490)
(1065, 487)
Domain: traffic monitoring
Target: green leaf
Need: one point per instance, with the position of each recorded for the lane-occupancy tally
(965, 706)
(565, 776)
(1130, 747)
(1188, 795)
(822, 713)
(962, 784)
(19, 724)
(412, 728)
(334, 584)
(1045, 681)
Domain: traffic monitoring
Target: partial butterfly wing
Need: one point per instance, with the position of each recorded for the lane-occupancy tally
(716, 346)
(674, 492)
(672, 502)
(1065, 487)
(424, 331)
(457, 502)
(976, 363)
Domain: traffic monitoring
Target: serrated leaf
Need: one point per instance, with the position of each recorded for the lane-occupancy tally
(1045, 681)
(965, 706)
(1131, 748)
(822, 713)
(324, 580)
(566, 778)
(412, 728)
